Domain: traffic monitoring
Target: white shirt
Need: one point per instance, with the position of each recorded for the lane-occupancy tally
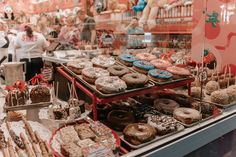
(30, 47)
(3, 51)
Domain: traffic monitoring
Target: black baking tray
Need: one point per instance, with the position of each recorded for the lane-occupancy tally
(162, 83)
(103, 95)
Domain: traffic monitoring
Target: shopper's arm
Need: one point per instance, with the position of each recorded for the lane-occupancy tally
(93, 36)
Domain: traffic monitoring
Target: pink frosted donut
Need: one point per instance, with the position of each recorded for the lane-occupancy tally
(146, 56)
(178, 71)
(161, 64)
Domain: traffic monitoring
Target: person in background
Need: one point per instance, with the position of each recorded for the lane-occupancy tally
(69, 34)
(29, 47)
(88, 31)
(4, 40)
(134, 31)
(133, 27)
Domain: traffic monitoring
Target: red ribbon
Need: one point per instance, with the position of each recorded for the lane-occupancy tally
(37, 79)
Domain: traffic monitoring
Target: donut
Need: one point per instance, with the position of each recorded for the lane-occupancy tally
(159, 75)
(196, 92)
(91, 74)
(220, 97)
(103, 61)
(110, 84)
(103, 110)
(139, 133)
(117, 70)
(231, 93)
(161, 63)
(166, 106)
(212, 86)
(135, 80)
(163, 124)
(148, 98)
(127, 59)
(178, 72)
(145, 56)
(142, 66)
(119, 119)
(187, 115)
(77, 65)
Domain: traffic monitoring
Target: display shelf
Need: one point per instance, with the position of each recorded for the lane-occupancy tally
(96, 100)
(190, 139)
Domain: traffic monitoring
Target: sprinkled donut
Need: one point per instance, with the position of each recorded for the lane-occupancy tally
(160, 75)
(77, 65)
(161, 63)
(110, 84)
(139, 133)
(142, 66)
(187, 115)
(117, 70)
(134, 80)
(146, 56)
(103, 61)
(127, 59)
(178, 72)
(91, 74)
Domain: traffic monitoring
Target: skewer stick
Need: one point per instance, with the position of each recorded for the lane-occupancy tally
(36, 150)
(20, 152)
(10, 147)
(5, 152)
(42, 146)
(50, 154)
(28, 149)
(30, 130)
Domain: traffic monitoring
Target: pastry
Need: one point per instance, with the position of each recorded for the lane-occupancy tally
(187, 115)
(135, 80)
(77, 65)
(69, 134)
(84, 131)
(166, 106)
(145, 56)
(139, 133)
(103, 61)
(160, 75)
(161, 64)
(163, 124)
(91, 74)
(142, 66)
(40, 94)
(178, 72)
(127, 59)
(117, 70)
(70, 149)
(110, 84)
(220, 97)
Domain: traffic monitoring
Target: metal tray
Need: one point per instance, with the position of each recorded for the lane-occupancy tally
(160, 83)
(103, 95)
(27, 106)
(157, 138)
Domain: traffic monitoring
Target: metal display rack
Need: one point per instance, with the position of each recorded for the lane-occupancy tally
(97, 100)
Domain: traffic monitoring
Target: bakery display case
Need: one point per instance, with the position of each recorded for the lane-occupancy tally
(157, 79)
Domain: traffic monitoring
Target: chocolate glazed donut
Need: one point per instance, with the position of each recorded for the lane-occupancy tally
(117, 70)
(119, 119)
(135, 80)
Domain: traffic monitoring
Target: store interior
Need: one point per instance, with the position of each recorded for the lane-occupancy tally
(110, 78)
